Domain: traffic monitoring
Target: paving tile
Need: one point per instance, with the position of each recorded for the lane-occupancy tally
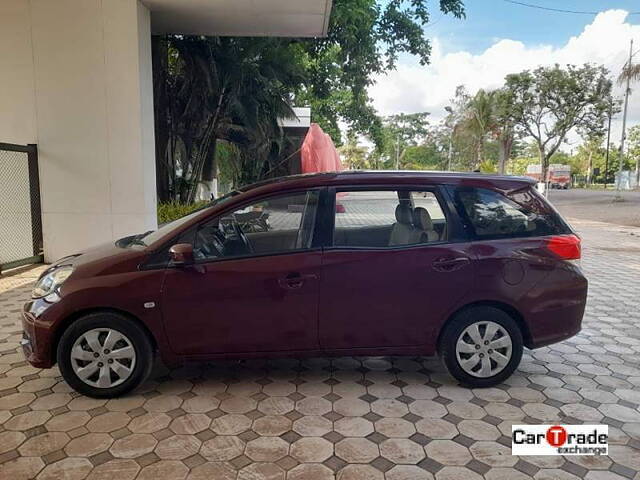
(390, 408)
(312, 426)
(395, 427)
(41, 445)
(177, 447)
(272, 425)
(222, 448)
(172, 469)
(357, 450)
(403, 418)
(133, 446)
(402, 451)
(108, 422)
(68, 469)
(231, 424)
(353, 427)
(311, 450)
(359, 472)
(266, 449)
(190, 424)
(213, 471)
(448, 452)
(115, 469)
(88, 445)
(428, 409)
(310, 471)
(22, 467)
(263, 471)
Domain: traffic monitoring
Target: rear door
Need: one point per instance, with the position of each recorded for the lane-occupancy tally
(390, 280)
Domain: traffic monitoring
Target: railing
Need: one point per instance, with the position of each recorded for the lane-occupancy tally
(20, 210)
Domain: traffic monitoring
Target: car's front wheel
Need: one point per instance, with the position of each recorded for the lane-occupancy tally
(104, 355)
(481, 346)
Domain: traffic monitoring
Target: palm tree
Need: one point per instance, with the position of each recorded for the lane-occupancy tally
(480, 120)
(232, 89)
(632, 72)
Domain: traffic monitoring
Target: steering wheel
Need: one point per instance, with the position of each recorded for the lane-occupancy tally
(241, 235)
(210, 245)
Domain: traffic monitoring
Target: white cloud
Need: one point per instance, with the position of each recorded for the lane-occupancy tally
(414, 88)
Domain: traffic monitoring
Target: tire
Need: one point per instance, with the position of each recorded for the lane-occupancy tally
(482, 318)
(126, 367)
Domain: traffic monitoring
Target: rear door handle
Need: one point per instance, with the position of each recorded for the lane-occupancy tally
(449, 264)
(294, 281)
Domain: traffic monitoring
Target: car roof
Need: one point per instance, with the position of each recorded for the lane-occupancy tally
(390, 178)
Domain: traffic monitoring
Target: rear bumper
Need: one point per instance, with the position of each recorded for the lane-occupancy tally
(557, 309)
(36, 340)
(555, 327)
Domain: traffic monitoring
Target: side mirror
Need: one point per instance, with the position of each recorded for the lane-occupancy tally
(181, 254)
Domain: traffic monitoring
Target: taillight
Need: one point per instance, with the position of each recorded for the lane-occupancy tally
(567, 247)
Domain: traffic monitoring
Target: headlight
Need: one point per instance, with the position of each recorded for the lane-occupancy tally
(48, 285)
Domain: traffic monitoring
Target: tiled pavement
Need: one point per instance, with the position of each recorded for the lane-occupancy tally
(353, 418)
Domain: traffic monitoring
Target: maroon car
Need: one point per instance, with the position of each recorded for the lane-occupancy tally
(468, 266)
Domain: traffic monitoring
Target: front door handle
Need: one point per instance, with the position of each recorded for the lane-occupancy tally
(450, 264)
(294, 281)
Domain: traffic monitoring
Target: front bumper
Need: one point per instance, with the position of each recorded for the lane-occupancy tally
(37, 337)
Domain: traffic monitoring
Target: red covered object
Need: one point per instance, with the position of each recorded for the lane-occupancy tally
(318, 152)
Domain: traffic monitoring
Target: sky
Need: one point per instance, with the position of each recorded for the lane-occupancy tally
(498, 38)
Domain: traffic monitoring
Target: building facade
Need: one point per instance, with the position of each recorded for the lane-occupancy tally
(76, 79)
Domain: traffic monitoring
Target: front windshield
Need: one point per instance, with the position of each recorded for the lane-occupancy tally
(153, 236)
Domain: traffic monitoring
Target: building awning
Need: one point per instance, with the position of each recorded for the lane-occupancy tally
(282, 18)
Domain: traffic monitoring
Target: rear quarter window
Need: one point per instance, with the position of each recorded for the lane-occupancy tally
(522, 213)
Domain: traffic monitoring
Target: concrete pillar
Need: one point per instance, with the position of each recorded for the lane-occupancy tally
(82, 70)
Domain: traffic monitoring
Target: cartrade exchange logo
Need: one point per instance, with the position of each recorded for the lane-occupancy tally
(559, 439)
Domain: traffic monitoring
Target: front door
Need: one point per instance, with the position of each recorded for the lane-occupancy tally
(391, 276)
(255, 284)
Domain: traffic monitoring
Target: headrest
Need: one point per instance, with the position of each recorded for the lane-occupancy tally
(422, 219)
(404, 214)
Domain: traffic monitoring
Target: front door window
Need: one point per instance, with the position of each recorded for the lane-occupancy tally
(274, 225)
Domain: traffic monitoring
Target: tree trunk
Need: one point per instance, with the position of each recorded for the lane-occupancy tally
(505, 153)
(159, 57)
(208, 188)
(479, 153)
(544, 166)
(590, 170)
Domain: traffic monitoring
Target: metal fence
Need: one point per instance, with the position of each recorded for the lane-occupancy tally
(20, 211)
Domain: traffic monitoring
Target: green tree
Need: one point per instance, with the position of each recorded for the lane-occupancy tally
(354, 156)
(209, 89)
(633, 149)
(213, 88)
(549, 102)
(402, 131)
(480, 121)
(365, 38)
(504, 128)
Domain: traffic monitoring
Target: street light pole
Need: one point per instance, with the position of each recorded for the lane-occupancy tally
(624, 126)
(606, 158)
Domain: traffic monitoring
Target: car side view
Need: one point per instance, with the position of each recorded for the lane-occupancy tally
(470, 267)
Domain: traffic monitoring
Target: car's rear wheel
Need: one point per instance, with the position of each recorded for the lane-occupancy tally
(104, 355)
(481, 346)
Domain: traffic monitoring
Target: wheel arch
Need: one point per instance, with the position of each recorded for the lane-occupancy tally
(505, 307)
(68, 321)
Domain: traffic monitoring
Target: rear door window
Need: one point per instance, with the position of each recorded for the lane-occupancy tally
(387, 218)
(522, 213)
